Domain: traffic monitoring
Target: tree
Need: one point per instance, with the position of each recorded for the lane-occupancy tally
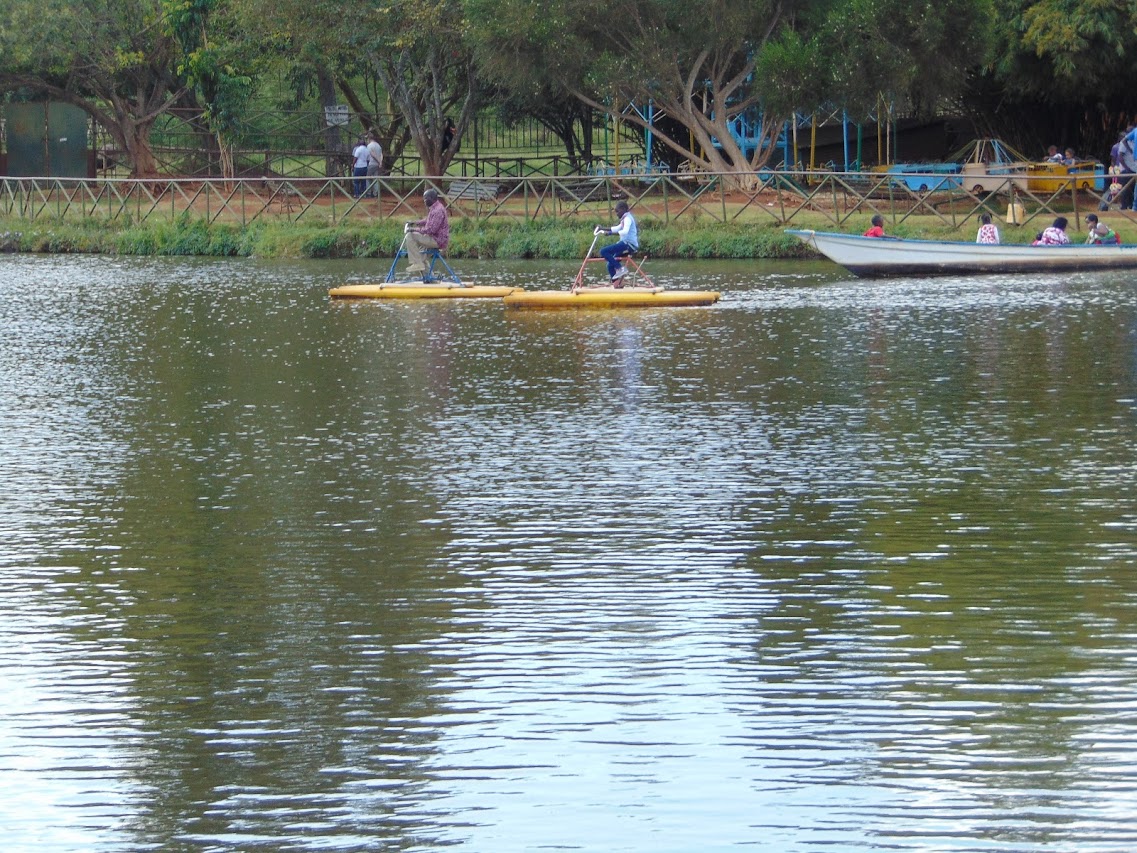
(414, 50)
(418, 51)
(695, 67)
(706, 67)
(1058, 73)
(213, 63)
(566, 117)
(115, 59)
(315, 43)
(911, 51)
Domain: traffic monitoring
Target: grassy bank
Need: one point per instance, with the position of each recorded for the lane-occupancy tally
(553, 239)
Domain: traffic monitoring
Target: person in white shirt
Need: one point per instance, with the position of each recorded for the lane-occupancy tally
(359, 169)
(629, 242)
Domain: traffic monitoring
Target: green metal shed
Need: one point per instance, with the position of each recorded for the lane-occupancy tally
(47, 140)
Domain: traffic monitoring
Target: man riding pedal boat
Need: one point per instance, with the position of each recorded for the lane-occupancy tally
(628, 243)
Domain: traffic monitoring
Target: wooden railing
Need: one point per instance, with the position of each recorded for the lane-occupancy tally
(772, 197)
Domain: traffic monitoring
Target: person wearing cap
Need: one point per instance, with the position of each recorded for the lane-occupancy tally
(432, 232)
(629, 242)
(359, 168)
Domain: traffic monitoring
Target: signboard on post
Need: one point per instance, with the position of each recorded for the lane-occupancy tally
(337, 115)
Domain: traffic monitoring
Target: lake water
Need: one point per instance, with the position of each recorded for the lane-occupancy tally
(831, 565)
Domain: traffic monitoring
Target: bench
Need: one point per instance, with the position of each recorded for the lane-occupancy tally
(582, 189)
(475, 190)
(286, 196)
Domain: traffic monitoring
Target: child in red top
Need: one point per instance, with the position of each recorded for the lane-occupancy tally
(877, 229)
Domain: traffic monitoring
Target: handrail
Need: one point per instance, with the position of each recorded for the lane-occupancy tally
(770, 197)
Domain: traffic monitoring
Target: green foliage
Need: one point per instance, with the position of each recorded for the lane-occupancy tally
(547, 239)
(1064, 48)
(923, 52)
(109, 57)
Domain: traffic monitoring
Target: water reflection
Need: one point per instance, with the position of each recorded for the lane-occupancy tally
(833, 563)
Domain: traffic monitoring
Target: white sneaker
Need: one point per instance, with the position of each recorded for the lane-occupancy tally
(620, 273)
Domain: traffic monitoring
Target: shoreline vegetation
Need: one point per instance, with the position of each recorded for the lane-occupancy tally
(554, 240)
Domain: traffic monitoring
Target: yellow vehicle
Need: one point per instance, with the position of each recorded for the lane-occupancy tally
(1055, 177)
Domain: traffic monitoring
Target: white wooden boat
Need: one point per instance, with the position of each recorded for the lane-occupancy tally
(878, 257)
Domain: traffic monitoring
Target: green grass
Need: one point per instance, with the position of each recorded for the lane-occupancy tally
(552, 238)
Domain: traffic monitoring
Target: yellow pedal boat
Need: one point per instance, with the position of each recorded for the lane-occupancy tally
(609, 297)
(445, 290)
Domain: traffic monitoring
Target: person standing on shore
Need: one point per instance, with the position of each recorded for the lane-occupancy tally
(359, 168)
(375, 165)
(1124, 164)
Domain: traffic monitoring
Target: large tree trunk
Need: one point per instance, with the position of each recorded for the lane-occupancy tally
(426, 93)
(133, 137)
(336, 151)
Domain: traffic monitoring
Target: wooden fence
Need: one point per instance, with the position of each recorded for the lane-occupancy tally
(772, 197)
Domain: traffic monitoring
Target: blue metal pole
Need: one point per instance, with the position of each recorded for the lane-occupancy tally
(650, 119)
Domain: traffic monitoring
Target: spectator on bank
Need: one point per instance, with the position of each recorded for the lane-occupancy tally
(375, 165)
(359, 167)
(1123, 166)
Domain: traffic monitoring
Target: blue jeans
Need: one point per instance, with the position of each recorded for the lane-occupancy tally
(609, 253)
(358, 186)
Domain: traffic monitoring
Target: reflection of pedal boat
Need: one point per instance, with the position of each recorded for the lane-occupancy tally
(609, 297)
(446, 290)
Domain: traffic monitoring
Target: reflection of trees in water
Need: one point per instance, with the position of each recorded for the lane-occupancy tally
(259, 537)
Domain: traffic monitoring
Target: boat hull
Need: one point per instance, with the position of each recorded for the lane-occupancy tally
(609, 297)
(423, 291)
(871, 257)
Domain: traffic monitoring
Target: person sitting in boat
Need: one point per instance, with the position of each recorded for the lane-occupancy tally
(1103, 235)
(1055, 235)
(877, 229)
(988, 233)
(1053, 155)
(1091, 224)
(629, 242)
(433, 232)
(1068, 158)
